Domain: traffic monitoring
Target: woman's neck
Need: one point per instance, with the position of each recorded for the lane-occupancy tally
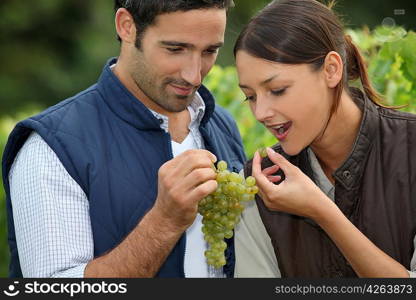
(333, 148)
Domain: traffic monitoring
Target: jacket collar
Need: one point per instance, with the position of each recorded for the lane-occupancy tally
(350, 173)
(126, 106)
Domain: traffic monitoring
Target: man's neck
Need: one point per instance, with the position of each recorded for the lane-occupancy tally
(178, 121)
(179, 125)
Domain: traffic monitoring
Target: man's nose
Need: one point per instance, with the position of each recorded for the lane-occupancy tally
(192, 71)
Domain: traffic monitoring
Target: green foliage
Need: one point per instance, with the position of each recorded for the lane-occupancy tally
(6, 125)
(54, 48)
(390, 53)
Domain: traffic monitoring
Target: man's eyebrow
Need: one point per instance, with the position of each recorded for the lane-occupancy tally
(217, 45)
(187, 45)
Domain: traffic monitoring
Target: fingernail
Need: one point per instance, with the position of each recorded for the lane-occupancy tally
(270, 150)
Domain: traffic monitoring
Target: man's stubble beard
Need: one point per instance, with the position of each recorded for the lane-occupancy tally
(147, 82)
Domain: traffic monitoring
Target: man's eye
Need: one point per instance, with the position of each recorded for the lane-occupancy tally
(212, 51)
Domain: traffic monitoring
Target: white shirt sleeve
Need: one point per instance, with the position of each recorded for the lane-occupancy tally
(51, 214)
(254, 253)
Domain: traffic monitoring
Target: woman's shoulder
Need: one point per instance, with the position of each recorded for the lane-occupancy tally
(394, 114)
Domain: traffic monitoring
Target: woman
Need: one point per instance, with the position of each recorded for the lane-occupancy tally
(338, 193)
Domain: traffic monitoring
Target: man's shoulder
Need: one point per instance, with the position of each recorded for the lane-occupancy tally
(83, 98)
(70, 117)
(223, 113)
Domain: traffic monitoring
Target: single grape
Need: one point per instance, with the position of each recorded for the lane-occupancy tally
(253, 190)
(222, 176)
(229, 234)
(222, 165)
(250, 181)
(263, 152)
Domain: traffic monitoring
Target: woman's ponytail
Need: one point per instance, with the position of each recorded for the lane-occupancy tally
(357, 69)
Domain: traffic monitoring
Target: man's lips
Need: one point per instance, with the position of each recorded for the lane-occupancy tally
(183, 91)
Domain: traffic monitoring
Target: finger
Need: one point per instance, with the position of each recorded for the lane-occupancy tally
(191, 160)
(261, 180)
(271, 170)
(279, 160)
(197, 177)
(203, 190)
(210, 155)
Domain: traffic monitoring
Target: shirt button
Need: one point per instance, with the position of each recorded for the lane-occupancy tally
(160, 121)
(346, 174)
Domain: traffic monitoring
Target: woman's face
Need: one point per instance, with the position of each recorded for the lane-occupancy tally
(292, 101)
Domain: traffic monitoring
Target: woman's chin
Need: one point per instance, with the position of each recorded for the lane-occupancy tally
(290, 150)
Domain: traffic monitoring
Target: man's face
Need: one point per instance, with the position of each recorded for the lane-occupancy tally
(176, 53)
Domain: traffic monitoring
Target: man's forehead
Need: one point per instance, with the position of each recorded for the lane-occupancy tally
(173, 43)
(194, 27)
(191, 19)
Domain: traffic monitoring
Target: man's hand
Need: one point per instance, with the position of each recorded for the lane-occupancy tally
(182, 183)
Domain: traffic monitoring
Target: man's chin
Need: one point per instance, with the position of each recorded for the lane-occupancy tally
(178, 107)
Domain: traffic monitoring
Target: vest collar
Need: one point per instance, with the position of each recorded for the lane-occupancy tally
(127, 107)
(350, 173)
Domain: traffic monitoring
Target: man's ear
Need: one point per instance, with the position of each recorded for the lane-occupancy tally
(125, 26)
(333, 69)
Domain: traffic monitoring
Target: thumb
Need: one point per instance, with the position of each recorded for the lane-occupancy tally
(280, 161)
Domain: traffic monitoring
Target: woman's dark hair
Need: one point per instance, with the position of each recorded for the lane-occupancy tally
(305, 31)
(144, 12)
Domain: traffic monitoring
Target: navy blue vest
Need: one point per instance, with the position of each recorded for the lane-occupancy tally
(113, 146)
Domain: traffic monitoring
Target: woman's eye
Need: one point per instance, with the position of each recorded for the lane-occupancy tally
(250, 98)
(278, 92)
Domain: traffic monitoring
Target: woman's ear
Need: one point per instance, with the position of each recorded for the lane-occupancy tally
(333, 69)
(125, 26)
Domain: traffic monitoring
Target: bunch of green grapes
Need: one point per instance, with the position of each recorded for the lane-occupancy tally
(221, 211)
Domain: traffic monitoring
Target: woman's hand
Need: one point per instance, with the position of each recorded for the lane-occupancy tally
(297, 194)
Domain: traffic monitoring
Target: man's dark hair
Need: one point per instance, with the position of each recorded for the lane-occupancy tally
(144, 12)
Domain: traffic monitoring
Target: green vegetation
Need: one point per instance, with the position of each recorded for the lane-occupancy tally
(389, 52)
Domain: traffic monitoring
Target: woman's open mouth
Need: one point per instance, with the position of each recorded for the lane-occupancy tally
(280, 131)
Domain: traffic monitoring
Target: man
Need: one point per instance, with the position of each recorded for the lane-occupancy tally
(107, 183)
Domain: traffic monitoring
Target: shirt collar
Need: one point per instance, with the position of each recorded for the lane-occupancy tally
(196, 110)
(322, 181)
